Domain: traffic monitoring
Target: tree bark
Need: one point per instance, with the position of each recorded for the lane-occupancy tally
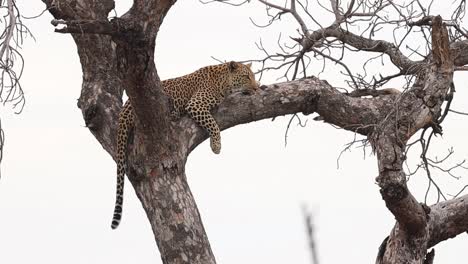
(171, 209)
(419, 108)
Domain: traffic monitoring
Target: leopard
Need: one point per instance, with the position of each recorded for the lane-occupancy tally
(194, 94)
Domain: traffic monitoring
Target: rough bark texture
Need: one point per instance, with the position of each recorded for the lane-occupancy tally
(173, 214)
(420, 107)
(118, 55)
(448, 219)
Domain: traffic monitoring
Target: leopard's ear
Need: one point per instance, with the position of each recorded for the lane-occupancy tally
(233, 65)
(249, 65)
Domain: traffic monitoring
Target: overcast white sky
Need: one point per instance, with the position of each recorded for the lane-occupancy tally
(57, 186)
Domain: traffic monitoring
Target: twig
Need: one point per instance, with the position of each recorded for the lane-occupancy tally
(310, 235)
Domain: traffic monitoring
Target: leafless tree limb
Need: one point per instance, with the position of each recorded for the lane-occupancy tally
(11, 60)
(457, 112)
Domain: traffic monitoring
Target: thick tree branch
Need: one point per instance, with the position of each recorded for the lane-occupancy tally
(301, 96)
(448, 219)
(418, 108)
(135, 51)
(392, 180)
(459, 51)
(365, 44)
(393, 133)
(101, 93)
(102, 89)
(149, 15)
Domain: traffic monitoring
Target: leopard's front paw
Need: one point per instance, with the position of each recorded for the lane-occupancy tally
(215, 146)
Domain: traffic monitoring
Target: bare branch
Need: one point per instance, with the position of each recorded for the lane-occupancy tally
(311, 235)
(87, 27)
(292, 11)
(11, 60)
(299, 123)
(458, 112)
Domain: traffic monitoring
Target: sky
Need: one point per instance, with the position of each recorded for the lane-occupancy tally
(58, 184)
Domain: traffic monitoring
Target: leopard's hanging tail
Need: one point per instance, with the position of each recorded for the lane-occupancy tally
(125, 123)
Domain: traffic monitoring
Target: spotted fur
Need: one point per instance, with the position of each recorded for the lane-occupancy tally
(195, 94)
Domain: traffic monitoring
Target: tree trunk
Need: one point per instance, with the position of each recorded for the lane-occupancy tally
(171, 209)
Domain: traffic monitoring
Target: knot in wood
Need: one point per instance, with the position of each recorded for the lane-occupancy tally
(310, 104)
(129, 33)
(90, 116)
(393, 192)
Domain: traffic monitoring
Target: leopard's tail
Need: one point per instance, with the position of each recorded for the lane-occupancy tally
(119, 195)
(125, 123)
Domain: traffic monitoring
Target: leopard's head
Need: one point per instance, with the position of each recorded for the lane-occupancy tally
(242, 76)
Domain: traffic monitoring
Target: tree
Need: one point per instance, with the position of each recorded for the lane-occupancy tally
(118, 55)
